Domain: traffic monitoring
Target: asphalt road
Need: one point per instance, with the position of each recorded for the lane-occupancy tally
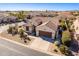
(12, 49)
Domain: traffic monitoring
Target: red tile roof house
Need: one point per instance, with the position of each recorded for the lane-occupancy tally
(48, 29)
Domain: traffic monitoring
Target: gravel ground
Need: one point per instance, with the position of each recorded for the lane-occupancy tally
(15, 38)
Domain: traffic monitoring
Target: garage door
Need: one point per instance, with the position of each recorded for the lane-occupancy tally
(46, 34)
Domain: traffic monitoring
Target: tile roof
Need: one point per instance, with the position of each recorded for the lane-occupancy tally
(51, 25)
(37, 20)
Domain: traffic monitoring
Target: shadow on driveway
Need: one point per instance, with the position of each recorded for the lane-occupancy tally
(47, 39)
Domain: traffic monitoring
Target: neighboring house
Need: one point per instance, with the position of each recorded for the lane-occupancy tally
(36, 21)
(11, 18)
(1, 18)
(47, 29)
(7, 19)
(75, 26)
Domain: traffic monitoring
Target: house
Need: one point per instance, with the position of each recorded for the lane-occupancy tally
(48, 29)
(11, 18)
(36, 24)
(8, 19)
(3, 19)
(31, 24)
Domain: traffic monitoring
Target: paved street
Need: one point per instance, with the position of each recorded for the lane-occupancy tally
(11, 49)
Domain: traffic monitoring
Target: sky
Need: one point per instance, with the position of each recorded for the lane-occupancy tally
(39, 6)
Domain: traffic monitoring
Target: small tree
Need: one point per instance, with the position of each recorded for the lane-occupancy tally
(14, 30)
(10, 29)
(21, 32)
(62, 24)
(66, 38)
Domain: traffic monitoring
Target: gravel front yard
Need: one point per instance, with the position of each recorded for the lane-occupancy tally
(15, 38)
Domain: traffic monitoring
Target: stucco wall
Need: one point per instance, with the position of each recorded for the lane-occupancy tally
(30, 29)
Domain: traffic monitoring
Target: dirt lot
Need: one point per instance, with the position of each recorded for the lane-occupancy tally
(15, 38)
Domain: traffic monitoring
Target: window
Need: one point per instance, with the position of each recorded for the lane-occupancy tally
(27, 28)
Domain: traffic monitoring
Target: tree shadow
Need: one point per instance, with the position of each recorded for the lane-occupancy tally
(74, 46)
(48, 39)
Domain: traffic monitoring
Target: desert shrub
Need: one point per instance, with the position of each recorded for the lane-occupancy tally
(66, 38)
(10, 29)
(21, 32)
(64, 50)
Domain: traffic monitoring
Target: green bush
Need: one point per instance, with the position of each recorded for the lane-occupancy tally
(10, 29)
(21, 32)
(62, 49)
(66, 38)
(14, 30)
